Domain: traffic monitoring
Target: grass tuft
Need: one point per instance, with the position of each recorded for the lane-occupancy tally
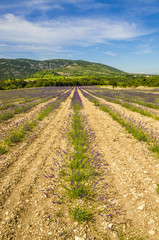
(78, 192)
(2, 150)
(81, 215)
(157, 189)
(155, 148)
(16, 136)
(30, 125)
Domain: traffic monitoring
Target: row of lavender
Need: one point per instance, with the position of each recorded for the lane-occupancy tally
(78, 185)
(19, 101)
(19, 131)
(148, 99)
(138, 129)
(145, 103)
(26, 94)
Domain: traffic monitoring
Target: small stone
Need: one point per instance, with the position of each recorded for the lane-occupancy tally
(151, 232)
(6, 213)
(115, 235)
(110, 225)
(49, 233)
(78, 238)
(151, 221)
(141, 207)
(124, 226)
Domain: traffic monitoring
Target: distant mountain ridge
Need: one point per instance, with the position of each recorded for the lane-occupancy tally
(19, 68)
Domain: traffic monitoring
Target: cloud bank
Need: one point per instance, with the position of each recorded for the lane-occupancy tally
(62, 32)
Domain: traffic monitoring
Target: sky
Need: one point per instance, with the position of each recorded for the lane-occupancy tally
(120, 33)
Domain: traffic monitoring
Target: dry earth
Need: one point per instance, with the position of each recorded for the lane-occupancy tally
(132, 174)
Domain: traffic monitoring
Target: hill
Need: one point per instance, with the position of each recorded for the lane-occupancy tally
(21, 68)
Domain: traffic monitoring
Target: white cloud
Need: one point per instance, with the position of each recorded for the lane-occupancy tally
(43, 5)
(146, 47)
(3, 45)
(40, 48)
(62, 32)
(142, 51)
(110, 53)
(147, 1)
(85, 5)
(24, 7)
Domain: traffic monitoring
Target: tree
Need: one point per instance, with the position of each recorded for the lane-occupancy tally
(113, 82)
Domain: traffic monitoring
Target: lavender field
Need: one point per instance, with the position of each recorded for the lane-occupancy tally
(79, 164)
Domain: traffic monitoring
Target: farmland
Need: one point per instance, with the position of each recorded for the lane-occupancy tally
(79, 163)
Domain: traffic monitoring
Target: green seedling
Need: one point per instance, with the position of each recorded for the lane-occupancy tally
(81, 215)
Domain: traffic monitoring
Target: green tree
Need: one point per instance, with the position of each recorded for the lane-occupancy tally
(113, 82)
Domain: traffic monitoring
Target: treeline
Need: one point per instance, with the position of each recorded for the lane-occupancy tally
(114, 80)
(12, 84)
(15, 84)
(136, 80)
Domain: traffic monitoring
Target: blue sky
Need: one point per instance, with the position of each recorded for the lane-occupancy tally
(120, 33)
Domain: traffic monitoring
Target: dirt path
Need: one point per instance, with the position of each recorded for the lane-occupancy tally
(23, 203)
(151, 125)
(135, 170)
